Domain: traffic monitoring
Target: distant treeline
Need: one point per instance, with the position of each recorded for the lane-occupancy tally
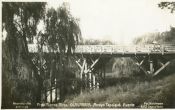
(95, 42)
(164, 37)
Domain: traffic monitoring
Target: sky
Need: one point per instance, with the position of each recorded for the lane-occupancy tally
(118, 20)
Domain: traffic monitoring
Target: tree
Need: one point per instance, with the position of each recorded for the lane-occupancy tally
(95, 42)
(63, 33)
(20, 21)
(168, 5)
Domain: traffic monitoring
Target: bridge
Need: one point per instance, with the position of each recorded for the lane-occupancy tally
(92, 59)
(115, 49)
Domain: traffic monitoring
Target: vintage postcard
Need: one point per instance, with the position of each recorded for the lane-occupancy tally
(88, 54)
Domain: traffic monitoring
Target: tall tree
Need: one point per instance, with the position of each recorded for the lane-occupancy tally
(20, 21)
(63, 33)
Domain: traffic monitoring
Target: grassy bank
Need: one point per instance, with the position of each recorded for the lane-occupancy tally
(160, 91)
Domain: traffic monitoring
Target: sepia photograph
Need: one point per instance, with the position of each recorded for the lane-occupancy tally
(88, 54)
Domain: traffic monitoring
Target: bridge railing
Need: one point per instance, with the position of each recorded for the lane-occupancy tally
(112, 49)
(107, 49)
(169, 47)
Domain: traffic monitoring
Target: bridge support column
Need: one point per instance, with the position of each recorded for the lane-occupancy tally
(161, 68)
(90, 80)
(151, 67)
(140, 62)
(156, 64)
(93, 81)
(88, 76)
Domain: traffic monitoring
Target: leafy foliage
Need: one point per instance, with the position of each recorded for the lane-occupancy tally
(24, 17)
(168, 5)
(62, 29)
(20, 20)
(125, 67)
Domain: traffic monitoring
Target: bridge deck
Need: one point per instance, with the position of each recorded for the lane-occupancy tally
(115, 49)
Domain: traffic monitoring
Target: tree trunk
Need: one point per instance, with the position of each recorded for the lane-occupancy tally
(45, 95)
(51, 90)
(61, 69)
